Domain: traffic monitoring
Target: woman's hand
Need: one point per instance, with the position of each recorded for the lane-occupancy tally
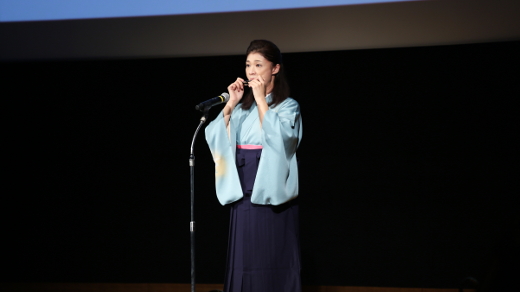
(236, 91)
(259, 88)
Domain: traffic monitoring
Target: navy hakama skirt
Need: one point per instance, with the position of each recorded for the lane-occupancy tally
(264, 250)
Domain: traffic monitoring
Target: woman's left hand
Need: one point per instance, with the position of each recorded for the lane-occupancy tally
(259, 88)
(259, 92)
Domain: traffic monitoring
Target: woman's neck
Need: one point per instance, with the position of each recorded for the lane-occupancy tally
(269, 88)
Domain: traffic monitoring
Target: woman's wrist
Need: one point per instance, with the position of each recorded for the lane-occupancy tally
(260, 99)
(231, 104)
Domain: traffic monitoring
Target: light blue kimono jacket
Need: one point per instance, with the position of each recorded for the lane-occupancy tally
(279, 135)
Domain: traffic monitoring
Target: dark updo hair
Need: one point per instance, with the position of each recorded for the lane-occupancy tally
(281, 88)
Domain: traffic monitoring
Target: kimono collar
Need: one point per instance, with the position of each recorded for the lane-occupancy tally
(269, 97)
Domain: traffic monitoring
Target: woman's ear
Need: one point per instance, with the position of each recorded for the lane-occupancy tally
(275, 69)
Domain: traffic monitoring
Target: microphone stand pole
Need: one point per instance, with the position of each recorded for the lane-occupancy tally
(192, 184)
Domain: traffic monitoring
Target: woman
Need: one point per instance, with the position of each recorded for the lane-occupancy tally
(253, 143)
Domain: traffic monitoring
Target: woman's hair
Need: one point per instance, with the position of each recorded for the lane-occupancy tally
(281, 88)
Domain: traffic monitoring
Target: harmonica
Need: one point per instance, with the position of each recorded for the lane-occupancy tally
(246, 82)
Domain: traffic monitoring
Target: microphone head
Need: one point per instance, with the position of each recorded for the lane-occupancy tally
(225, 95)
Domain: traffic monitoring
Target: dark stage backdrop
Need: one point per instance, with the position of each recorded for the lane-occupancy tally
(408, 167)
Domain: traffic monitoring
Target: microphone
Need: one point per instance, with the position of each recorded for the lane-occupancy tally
(224, 97)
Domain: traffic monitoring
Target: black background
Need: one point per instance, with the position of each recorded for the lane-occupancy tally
(408, 167)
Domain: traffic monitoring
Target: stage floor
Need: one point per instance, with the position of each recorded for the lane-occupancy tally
(168, 287)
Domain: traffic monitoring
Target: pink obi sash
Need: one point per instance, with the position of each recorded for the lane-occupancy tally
(249, 147)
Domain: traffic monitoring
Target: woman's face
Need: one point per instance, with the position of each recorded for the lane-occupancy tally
(257, 65)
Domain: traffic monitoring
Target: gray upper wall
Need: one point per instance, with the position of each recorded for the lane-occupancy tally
(402, 24)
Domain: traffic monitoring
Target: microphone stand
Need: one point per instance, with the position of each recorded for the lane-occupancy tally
(192, 185)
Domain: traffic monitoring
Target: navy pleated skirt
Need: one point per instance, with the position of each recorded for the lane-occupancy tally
(264, 249)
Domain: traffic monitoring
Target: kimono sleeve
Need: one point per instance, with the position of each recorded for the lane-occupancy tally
(222, 146)
(277, 177)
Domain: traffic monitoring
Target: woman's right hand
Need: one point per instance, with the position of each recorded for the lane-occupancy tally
(236, 91)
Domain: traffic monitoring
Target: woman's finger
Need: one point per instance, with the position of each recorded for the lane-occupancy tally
(261, 79)
(240, 83)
